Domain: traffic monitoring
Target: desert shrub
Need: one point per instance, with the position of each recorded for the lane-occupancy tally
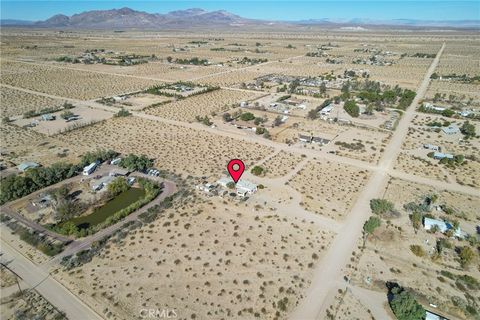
(257, 170)
(381, 206)
(466, 255)
(123, 113)
(247, 116)
(417, 250)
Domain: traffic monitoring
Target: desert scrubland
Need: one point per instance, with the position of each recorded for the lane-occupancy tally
(230, 257)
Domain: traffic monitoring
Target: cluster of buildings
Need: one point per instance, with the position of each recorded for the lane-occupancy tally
(243, 188)
(437, 154)
(437, 109)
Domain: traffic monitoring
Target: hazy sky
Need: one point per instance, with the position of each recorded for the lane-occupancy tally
(269, 10)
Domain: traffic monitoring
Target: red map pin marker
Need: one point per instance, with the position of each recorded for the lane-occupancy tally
(235, 168)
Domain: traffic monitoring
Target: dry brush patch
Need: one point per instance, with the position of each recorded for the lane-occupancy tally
(174, 148)
(205, 260)
(329, 188)
(67, 82)
(21, 145)
(229, 78)
(462, 91)
(281, 164)
(201, 105)
(424, 167)
(17, 102)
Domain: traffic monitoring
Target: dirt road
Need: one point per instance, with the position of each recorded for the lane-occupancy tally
(331, 268)
(48, 287)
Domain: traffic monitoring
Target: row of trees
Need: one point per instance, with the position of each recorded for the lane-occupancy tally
(16, 186)
(133, 162)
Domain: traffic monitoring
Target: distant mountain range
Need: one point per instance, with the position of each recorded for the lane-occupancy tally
(126, 18)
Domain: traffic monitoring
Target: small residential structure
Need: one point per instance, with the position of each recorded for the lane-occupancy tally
(327, 110)
(243, 187)
(89, 169)
(440, 156)
(443, 226)
(320, 141)
(27, 165)
(292, 101)
(119, 172)
(48, 117)
(116, 161)
(304, 138)
(429, 223)
(451, 130)
(206, 187)
(433, 107)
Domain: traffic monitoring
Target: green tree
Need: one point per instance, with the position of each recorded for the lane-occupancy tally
(468, 130)
(139, 163)
(117, 186)
(369, 227)
(231, 185)
(416, 218)
(312, 114)
(122, 113)
(259, 130)
(257, 170)
(351, 108)
(404, 305)
(247, 116)
(381, 206)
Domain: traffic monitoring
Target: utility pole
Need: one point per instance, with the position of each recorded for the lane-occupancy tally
(16, 276)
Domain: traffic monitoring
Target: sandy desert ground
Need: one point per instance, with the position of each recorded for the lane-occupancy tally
(243, 265)
(315, 182)
(218, 258)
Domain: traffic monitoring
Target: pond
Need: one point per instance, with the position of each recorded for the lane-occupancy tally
(121, 201)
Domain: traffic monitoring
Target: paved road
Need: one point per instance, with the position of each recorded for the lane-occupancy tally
(332, 266)
(48, 287)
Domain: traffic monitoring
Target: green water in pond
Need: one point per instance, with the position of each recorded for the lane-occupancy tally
(101, 214)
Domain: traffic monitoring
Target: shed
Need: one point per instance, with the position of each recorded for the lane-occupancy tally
(440, 156)
(224, 181)
(246, 186)
(319, 140)
(431, 147)
(27, 165)
(119, 172)
(89, 169)
(48, 117)
(304, 138)
(429, 223)
(451, 130)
